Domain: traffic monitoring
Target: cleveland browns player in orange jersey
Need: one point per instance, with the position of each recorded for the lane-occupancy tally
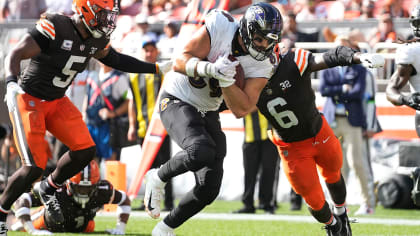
(303, 137)
(59, 47)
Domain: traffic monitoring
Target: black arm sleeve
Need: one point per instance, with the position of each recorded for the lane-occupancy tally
(126, 63)
(43, 42)
(339, 56)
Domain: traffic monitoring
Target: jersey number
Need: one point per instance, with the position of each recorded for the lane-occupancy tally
(285, 119)
(58, 81)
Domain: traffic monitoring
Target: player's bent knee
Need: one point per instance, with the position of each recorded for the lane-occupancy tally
(200, 155)
(84, 156)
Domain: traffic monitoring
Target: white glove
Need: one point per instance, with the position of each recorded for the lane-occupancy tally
(164, 66)
(372, 60)
(118, 230)
(223, 69)
(12, 90)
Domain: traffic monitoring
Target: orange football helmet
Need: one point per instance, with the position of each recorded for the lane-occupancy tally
(83, 184)
(99, 16)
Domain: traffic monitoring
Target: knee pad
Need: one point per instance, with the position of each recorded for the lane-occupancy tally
(200, 155)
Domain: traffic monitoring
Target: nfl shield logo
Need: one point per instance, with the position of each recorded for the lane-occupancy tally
(82, 47)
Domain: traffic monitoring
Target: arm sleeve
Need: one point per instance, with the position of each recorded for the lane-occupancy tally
(126, 63)
(339, 56)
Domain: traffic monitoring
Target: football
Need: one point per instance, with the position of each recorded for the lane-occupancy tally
(240, 75)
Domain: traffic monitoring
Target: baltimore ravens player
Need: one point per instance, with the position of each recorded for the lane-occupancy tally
(303, 137)
(408, 69)
(80, 198)
(59, 47)
(191, 99)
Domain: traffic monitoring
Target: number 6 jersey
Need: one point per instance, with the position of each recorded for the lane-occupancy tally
(63, 54)
(288, 101)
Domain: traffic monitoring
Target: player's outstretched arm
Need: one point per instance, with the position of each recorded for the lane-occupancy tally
(398, 80)
(344, 56)
(123, 212)
(122, 62)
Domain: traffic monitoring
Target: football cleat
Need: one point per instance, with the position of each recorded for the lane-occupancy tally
(153, 193)
(334, 230)
(3, 228)
(415, 193)
(52, 206)
(345, 225)
(161, 229)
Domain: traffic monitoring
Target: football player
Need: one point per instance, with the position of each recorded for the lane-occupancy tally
(80, 198)
(58, 47)
(408, 68)
(191, 99)
(303, 137)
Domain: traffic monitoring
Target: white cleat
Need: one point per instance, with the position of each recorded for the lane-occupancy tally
(161, 229)
(3, 228)
(153, 193)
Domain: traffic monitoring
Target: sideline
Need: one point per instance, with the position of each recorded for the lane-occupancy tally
(265, 217)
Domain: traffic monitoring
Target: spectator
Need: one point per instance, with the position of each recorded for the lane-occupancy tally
(167, 41)
(12, 10)
(106, 100)
(291, 33)
(130, 43)
(396, 8)
(344, 88)
(260, 156)
(145, 89)
(306, 10)
(385, 32)
(9, 161)
(367, 9)
(62, 6)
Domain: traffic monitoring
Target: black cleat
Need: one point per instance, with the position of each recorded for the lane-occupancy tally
(52, 206)
(415, 193)
(3, 228)
(345, 225)
(334, 230)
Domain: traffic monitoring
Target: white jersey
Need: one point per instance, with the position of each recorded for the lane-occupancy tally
(410, 54)
(221, 27)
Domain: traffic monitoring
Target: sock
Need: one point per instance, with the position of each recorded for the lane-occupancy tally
(339, 209)
(49, 186)
(334, 221)
(3, 214)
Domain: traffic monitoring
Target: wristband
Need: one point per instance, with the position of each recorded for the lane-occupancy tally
(190, 66)
(202, 68)
(11, 78)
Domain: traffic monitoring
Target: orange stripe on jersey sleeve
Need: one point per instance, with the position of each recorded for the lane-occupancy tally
(303, 63)
(52, 33)
(297, 58)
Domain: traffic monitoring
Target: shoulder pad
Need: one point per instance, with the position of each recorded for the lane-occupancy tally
(46, 26)
(301, 58)
(219, 18)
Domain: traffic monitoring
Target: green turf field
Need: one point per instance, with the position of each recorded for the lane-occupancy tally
(140, 225)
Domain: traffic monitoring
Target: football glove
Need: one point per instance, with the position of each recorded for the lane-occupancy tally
(12, 90)
(223, 69)
(118, 230)
(372, 60)
(164, 67)
(413, 100)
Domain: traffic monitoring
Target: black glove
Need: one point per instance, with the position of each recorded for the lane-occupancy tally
(412, 101)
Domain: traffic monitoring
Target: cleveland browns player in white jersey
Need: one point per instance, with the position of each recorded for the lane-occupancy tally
(59, 47)
(408, 71)
(303, 137)
(189, 105)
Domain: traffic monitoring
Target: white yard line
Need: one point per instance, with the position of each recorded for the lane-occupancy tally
(293, 218)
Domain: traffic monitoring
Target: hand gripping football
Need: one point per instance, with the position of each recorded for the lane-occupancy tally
(240, 75)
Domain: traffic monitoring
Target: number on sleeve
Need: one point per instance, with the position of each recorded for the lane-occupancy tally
(285, 119)
(64, 82)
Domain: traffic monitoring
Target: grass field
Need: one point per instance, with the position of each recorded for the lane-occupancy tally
(389, 222)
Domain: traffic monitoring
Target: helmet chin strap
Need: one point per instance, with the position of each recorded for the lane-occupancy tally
(96, 34)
